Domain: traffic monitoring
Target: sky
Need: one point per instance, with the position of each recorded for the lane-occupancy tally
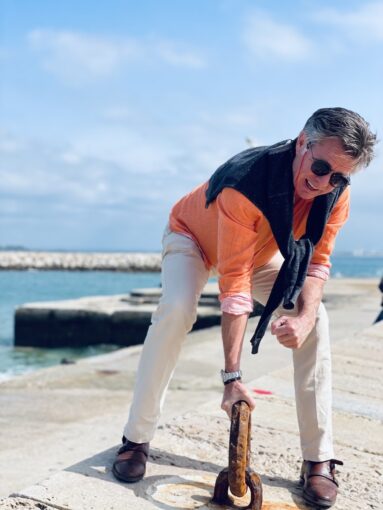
(112, 111)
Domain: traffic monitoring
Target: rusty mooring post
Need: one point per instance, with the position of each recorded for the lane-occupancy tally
(239, 476)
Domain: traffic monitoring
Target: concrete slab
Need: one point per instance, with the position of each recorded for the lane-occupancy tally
(24, 504)
(58, 418)
(189, 452)
(118, 320)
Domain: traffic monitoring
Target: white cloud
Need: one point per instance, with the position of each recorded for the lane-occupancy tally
(267, 38)
(67, 53)
(77, 57)
(114, 166)
(240, 119)
(363, 24)
(70, 157)
(128, 149)
(170, 53)
(131, 177)
(9, 143)
(117, 113)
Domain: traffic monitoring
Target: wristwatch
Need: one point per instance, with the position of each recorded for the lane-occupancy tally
(228, 377)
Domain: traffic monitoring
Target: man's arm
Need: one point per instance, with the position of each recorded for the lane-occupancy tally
(293, 331)
(237, 235)
(233, 331)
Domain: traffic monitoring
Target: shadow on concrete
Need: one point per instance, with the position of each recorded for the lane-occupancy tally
(93, 466)
(293, 487)
(99, 466)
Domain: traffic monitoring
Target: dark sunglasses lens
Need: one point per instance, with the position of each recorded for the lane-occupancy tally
(320, 167)
(338, 180)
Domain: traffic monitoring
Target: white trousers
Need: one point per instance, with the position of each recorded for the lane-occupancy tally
(184, 276)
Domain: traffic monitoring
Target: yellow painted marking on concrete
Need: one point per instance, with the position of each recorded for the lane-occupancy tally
(192, 492)
(188, 495)
(277, 506)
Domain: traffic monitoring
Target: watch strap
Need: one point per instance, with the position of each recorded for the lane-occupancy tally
(232, 380)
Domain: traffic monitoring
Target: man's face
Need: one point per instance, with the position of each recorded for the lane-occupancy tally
(307, 184)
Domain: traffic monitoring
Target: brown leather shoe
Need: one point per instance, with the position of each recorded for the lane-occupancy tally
(130, 463)
(320, 486)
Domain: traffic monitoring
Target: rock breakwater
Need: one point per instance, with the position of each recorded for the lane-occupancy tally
(80, 261)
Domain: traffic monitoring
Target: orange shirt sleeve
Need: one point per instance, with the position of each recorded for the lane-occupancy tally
(237, 237)
(337, 219)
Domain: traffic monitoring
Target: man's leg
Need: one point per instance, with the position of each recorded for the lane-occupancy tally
(313, 382)
(183, 277)
(313, 393)
(312, 372)
(312, 377)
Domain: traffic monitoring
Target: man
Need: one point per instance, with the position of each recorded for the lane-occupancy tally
(380, 316)
(266, 221)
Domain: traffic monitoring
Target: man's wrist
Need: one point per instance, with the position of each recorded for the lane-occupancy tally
(229, 377)
(308, 316)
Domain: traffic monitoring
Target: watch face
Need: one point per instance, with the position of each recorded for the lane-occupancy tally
(225, 376)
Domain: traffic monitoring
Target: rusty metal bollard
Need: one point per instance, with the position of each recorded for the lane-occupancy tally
(239, 476)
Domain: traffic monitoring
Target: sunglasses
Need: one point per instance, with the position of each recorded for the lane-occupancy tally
(321, 167)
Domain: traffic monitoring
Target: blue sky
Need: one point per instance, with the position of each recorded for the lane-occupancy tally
(111, 111)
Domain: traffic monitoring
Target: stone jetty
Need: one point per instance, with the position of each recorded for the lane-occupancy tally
(80, 261)
(119, 320)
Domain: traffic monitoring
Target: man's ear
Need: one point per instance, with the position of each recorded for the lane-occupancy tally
(301, 143)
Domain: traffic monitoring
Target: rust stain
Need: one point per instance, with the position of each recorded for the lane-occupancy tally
(195, 493)
(242, 504)
(278, 506)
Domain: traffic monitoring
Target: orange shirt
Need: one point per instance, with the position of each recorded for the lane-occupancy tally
(235, 237)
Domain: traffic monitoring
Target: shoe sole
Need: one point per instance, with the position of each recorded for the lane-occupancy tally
(125, 479)
(321, 503)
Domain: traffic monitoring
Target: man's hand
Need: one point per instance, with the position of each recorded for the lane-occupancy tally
(234, 392)
(292, 331)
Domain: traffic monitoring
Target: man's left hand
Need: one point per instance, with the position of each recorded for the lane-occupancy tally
(292, 331)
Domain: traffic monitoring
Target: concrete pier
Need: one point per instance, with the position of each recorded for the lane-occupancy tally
(60, 426)
(119, 320)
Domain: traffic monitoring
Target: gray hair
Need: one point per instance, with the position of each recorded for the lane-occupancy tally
(349, 127)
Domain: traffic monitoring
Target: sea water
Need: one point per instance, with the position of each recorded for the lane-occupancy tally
(19, 287)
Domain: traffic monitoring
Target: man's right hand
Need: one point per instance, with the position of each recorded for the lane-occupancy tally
(234, 392)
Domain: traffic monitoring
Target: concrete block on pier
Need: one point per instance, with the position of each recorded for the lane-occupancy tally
(120, 320)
